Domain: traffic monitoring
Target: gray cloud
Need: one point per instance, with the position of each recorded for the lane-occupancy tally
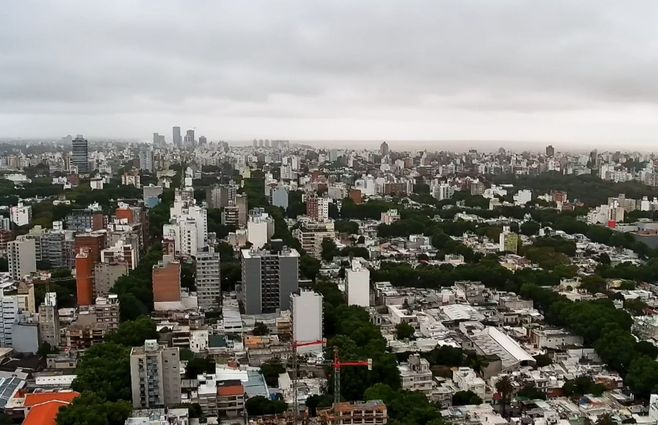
(499, 69)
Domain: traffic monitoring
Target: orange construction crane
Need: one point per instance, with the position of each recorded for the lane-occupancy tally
(337, 365)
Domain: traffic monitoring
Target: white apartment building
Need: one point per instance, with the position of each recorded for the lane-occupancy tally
(9, 312)
(307, 320)
(416, 374)
(22, 257)
(260, 228)
(466, 379)
(358, 284)
(21, 215)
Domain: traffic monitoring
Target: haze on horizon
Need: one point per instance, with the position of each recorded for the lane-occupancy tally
(575, 74)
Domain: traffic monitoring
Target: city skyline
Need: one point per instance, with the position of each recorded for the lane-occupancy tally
(494, 72)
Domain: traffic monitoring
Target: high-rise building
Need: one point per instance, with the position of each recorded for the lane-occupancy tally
(94, 241)
(306, 319)
(317, 207)
(358, 284)
(106, 275)
(166, 281)
(260, 228)
(203, 140)
(383, 149)
(85, 220)
(176, 137)
(550, 151)
(84, 277)
(9, 315)
(155, 376)
(49, 320)
(146, 160)
(57, 249)
(311, 234)
(189, 138)
(508, 241)
(243, 209)
(268, 279)
(22, 257)
(207, 279)
(80, 154)
(231, 215)
(280, 197)
(219, 196)
(21, 215)
(159, 139)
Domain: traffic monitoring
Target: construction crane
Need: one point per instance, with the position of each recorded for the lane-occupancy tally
(337, 365)
(295, 346)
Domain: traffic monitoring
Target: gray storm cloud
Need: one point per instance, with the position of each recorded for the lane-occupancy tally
(497, 69)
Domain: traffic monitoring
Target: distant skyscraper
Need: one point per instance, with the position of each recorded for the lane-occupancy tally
(159, 139)
(383, 149)
(594, 159)
(176, 138)
(80, 154)
(189, 138)
(146, 160)
(550, 151)
(203, 140)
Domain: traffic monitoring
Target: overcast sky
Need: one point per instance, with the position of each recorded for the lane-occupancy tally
(574, 73)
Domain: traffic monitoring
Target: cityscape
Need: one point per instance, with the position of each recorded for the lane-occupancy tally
(328, 213)
(184, 280)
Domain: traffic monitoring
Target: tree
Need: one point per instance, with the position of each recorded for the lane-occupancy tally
(462, 398)
(231, 273)
(530, 391)
(329, 249)
(259, 405)
(309, 267)
(318, 401)
(605, 419)
(134, 332)
(445, 355)
(105, 370)
(261, 329)
(45, 348)
(530, 228)
(580, 386)
(91, 409)
(194, 410)
(543, 360)
(346, 226)
(187, 275)
(642, 376)
(635, 306)
(404, 407)
(593, 284)
(404, 331)
(198, 365)
(504, 387)
(271, 371)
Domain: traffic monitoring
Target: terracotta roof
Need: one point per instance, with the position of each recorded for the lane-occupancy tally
(230, 391)
(44, 414)
(33, 399)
